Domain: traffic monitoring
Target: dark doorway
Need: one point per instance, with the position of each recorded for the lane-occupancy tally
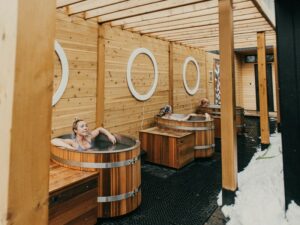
(269, 87)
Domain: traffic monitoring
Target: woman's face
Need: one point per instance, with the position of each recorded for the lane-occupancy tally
(82, 128)
(204, 103)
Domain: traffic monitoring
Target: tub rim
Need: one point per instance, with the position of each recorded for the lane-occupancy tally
(91, 151)
(189, 121)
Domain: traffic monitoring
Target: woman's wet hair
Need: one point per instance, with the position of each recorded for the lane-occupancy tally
(204, 101)
(74, 126)
(164, 110)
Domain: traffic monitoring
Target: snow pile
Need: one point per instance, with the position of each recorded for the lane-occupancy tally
(260, 198)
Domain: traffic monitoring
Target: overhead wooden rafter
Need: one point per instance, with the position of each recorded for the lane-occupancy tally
(83, 6)
(191, 22)
(62, 3)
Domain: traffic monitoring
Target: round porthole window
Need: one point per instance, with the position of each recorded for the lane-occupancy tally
(65, 73)
(134, 54)
(189, 90)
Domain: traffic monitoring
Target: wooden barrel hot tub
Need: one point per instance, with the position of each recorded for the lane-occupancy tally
(119, 166)
(215, 112)
(203, 129)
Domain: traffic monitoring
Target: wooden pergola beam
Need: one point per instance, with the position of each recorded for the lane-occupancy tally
(195, 36)
(191, 18)
(262, 80)
(238, 44)
(26, 74)
(210, 10)
(169, 13)
(118, 8)
(237, 25)
(83, 6)
(171, 19)
(62, 3)
(162, 14)
(228, 134)
(238, 21)
(201, 20)
(142, 10)
(238, 38)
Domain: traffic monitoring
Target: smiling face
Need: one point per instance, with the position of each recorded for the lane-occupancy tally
(82, 128)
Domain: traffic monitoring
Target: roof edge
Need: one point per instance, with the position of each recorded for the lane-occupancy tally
(265, 11)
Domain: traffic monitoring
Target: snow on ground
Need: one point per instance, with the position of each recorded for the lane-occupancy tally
(260, 198)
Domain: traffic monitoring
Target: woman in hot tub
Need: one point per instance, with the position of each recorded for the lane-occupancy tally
(83, 138)
(166, 112)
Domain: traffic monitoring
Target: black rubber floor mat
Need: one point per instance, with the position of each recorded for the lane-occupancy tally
(187, 196)
(158, 171)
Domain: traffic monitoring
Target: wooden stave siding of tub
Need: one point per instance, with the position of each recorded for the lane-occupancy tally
(183, 102)
(215, 112)
(202, 137)
(122, 179)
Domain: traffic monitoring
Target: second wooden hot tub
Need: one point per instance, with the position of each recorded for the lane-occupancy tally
(203, 129)
(119, 166)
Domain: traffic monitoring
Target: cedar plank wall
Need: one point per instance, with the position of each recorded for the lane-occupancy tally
(78, 39)
(248, 83)
(238, 80)
(123, 113)
(183, 102)
(248, 98)
(210, 84)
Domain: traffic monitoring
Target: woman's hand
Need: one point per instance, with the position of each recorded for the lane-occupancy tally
(207, 116)
(112, 138)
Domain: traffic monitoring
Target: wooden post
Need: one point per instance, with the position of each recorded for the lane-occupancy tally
(263, 98)
(171, 75)
(101, 77)
(276, 86)
(26, 74)
(227, 79)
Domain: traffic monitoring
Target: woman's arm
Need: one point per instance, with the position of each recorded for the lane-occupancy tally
(65, 143)
(99, 130)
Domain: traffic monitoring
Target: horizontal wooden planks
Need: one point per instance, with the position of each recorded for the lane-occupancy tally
(183, 102)
(123, 113)
(78, 39)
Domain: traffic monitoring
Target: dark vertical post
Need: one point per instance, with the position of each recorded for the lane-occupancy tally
(288, 49)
